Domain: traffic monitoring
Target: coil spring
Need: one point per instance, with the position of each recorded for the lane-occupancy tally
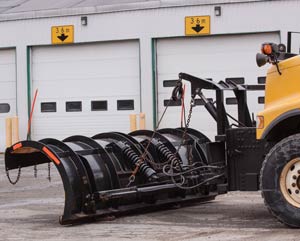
(144, 169)
(168, 155)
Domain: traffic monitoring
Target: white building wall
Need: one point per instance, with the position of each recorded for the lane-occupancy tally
(237, 18)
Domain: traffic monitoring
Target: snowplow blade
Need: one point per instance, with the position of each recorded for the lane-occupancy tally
(103, 175)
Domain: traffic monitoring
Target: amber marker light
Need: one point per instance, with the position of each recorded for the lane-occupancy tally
(259, 122)
(266, 49)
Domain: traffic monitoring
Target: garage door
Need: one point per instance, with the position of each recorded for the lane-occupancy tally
(7, 90)
(215, 57)
(85, 89)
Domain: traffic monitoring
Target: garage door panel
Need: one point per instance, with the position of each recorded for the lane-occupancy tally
(125, 87)
(11, 105)
(8, 56)
(7, 90)
(218, 63)
(100, 73)
(63, 125)
(8, 73)
(66, 70)
(112, 106)
(77, 125)
(216, 57)
(214, 44)
(98, 51)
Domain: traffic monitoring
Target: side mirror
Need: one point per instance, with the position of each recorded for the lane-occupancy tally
(261, 59)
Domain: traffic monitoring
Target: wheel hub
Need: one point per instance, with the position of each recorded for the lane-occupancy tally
(290, 182)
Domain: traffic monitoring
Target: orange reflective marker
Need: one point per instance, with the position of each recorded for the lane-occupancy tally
(260, 122)
(51, 155)
(17, 146)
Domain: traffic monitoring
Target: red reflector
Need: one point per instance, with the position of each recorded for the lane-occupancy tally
(17, 146)
(51, 155)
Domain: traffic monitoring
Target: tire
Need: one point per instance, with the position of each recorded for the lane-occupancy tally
(280, 181)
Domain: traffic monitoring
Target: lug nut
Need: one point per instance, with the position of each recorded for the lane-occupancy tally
(293, 184)
(297, 191)
(295, 177)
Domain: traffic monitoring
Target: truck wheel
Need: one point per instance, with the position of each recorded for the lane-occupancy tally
(280, 181)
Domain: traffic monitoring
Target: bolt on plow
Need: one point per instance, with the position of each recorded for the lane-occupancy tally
(114, 173)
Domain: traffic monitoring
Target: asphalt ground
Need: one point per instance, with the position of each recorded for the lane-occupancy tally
(30, 210)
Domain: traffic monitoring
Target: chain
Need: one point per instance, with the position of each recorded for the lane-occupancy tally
(192, 104)
(49, 171)
(173, 165)
(35, 171)
(187, 123)
(17, 179)
(143, 156)
(131, 179)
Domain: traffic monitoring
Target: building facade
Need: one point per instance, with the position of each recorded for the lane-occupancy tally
(96, 62)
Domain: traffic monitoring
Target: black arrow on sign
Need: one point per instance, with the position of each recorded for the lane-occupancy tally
(62, 37)
(197, 28)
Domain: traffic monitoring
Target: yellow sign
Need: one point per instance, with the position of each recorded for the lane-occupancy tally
(197, 25)
(62, 34)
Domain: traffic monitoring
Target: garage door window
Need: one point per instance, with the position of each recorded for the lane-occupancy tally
(261, 80)
(170, 83)
(73, 106)
(261, 100)
(125, 104)
(48, 107)
(231, 101)
(99, 105)
(238, 81)
(201, 102)
(4, 108)
(172, 102)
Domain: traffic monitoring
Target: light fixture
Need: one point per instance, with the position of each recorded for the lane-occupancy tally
(84, 21)
(218, 11)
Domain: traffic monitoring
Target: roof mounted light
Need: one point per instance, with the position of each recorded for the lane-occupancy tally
(261, 59)
(267, 49)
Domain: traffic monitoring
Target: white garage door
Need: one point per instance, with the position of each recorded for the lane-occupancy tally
(85, 89)
(215, 57)
(7, 90)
